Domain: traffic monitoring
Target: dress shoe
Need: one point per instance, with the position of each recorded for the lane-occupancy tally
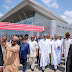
(30, 66)
(42, 70)
(54, 70)
(32, 69)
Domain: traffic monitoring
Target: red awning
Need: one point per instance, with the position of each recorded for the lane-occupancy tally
(20, 27)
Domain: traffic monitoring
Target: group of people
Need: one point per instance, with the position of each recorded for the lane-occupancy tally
(17, 50)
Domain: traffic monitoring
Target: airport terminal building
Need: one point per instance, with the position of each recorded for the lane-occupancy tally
(32, 13)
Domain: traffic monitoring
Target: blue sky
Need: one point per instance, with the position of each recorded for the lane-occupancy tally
(62, 8)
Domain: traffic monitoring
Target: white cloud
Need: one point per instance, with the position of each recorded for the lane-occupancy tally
(8, 1)
(7, 7)
(67, 16)
(1, 15)
(51, 3)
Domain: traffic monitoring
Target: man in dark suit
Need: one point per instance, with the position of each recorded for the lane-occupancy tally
(69, 60)
(1, 60)
(23, 53)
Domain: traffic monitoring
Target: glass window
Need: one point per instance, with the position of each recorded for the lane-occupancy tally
(58, 26)
(62, 27)
(69, 28)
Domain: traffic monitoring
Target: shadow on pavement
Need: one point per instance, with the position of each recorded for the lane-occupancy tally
(27, 67)
(62, 63)
(62, 69)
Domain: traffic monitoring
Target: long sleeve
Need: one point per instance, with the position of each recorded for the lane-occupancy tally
(49, 46)
(60, 44)
(39, 46)
(28, 49)
(13, 49)
(63, 47)
(36, 45)
(20, 52)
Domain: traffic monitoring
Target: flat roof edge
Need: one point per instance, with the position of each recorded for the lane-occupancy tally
(35, 3)
(46, 9)
(5, 16)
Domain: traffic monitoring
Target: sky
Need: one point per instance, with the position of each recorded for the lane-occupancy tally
(63, 8)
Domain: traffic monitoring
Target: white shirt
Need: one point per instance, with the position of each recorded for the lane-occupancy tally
(3, 48)
(66, 45)
(44, 49)
(33, 46)
(56, 52)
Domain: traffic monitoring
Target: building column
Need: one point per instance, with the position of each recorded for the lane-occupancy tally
(53, 28)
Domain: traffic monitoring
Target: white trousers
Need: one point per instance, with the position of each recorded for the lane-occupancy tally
(32, 62)
(55, 66)
(43, 68)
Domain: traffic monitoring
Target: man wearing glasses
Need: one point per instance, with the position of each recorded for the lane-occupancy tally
(66, 45)
(44, 47)
(33, 52)
(23, 53)
(11, 58)
(56, 54)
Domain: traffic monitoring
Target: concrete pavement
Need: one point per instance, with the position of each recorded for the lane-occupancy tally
(49, 68)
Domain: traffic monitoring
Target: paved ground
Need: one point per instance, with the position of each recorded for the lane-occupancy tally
(49, 68)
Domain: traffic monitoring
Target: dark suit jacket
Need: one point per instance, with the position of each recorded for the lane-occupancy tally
(24, 51)
(36, 39)
(1, 57)
(69, 60)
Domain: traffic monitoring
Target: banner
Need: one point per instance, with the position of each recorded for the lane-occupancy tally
(20, 27)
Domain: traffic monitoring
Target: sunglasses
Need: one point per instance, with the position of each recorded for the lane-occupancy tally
(3, 40)
(67, 35)
(14, 41)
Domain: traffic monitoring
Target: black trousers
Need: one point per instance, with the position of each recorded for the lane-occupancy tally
(24, 62)
(1, 57)
(38, 59)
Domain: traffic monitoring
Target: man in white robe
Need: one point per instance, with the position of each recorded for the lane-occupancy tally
(44, 46)
(48, 37)
(56, 52)
(33, 52)
(38, 57)
(60, 38)
(66, 46)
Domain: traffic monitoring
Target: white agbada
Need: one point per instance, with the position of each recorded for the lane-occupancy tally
(66, 46)
(56, 54)
(62, 46)
(50, 47)
(44, 46)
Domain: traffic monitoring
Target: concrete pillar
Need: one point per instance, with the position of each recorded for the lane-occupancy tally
(53, 28)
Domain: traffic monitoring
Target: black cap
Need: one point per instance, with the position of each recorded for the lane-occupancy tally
(24, 38)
